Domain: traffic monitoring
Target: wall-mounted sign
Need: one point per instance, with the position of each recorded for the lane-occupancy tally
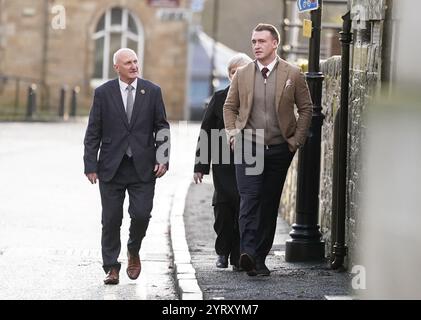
(164, 3)
(307, 5)
(307, 28)
(197, 5)
(176, 14)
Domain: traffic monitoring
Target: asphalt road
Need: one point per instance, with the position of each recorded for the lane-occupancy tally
(50, 218)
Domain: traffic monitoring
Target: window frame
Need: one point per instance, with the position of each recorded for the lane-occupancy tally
(126, 34)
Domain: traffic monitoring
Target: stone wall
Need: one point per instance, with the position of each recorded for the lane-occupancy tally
(330, 103)
(365, 81)
(365, 76)
(287, 205)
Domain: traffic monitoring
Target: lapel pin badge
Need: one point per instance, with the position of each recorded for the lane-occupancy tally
(142, 91)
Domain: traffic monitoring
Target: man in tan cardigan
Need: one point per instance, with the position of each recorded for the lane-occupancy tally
(261, 100)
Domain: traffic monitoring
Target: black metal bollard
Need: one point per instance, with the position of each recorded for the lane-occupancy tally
(32, 101)
(73, 104)
(61, 107)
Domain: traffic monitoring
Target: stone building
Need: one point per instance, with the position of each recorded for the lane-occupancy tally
(71, 42)
(233, 20)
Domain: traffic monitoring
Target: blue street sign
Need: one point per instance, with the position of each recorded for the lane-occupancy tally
(307, 5)
(197, 5)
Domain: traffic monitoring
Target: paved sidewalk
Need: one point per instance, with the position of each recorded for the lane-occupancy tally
(288, 281)
(50, 230)
(50, 218)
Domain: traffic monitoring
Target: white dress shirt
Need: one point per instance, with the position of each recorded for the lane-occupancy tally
(270, 66)
(124, 91)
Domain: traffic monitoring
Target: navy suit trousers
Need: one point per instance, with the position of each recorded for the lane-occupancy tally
(260, 196)
(140, 206)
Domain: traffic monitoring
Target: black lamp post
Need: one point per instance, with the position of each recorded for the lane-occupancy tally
(305, 243)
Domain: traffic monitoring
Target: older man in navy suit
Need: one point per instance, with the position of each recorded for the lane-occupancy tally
(127, 123)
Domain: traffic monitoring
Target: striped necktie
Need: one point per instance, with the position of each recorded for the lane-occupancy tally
(129, 106)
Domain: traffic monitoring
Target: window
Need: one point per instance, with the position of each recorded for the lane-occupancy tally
(117, 28)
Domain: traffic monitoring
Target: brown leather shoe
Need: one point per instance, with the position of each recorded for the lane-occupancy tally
(133, 266)
(112, 276)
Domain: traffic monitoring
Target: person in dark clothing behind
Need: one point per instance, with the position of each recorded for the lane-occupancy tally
(226, 200)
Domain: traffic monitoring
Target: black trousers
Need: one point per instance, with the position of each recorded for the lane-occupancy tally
(260, 195)
(140, 206)
(227, 232)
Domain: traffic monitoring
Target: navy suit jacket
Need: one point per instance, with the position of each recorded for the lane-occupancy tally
(110, 132)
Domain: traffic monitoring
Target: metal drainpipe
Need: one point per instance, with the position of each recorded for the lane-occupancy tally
(215, 39)
(340, 151)
(44, 90)
(283, 33)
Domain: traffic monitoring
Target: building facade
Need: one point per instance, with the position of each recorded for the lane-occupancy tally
(71, 43)
(232, 21)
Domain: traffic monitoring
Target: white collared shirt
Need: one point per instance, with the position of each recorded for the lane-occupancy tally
(270, 66)
(124, 91)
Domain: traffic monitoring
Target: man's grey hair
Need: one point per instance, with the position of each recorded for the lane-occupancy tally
(117, 53)
(240, 59)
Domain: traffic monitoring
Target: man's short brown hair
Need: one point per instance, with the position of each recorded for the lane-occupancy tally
(268, 27)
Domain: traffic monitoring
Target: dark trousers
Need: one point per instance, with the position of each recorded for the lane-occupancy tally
(260, 195)
(140, 206)
(227, 232)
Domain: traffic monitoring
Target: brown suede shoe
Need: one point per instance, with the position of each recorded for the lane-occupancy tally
(133, 266)
(112, 276)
